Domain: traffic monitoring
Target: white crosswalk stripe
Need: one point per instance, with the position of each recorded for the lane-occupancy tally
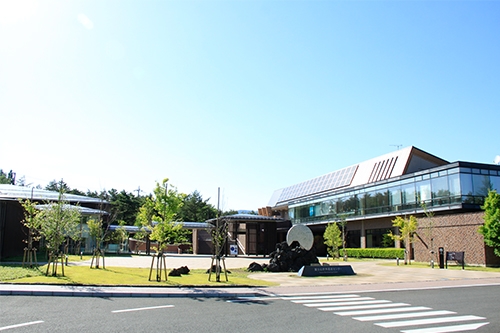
(439, 320)
(388, 314)
(380, 311)
(359, 307)
(447, 329)
(310, 301)
(404, 315)
(373, 301)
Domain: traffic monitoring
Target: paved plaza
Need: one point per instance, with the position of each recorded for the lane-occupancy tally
(370, 275)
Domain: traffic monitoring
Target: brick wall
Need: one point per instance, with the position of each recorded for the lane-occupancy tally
(453, 232)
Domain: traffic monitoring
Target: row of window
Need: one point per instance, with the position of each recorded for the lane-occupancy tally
(452, 186)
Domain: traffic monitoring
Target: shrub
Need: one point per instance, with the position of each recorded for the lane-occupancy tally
(384, 253)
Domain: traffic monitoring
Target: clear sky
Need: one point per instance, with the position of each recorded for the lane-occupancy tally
(248, 96)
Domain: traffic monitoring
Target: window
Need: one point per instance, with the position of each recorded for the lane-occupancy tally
(495, 182)
(440, 192)
(408, 191)
(424, 191)
(481, 185)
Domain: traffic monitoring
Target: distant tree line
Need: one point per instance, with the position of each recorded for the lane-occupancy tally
(7, 178)
(125, 206)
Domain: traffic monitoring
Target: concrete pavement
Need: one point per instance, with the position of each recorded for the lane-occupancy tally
(370, 276)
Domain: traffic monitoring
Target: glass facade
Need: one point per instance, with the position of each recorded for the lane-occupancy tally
(457, 183)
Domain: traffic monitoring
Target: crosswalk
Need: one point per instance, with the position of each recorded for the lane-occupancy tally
(388, 314)
(383, 313)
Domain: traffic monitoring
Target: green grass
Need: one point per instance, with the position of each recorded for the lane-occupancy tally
(122, 276)
(9, 273)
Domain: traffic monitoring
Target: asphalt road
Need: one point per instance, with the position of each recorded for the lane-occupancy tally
(465, 307)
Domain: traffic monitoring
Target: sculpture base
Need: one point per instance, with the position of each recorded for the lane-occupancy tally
(326, 270)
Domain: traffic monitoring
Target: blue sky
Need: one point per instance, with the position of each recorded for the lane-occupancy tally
(248, 96)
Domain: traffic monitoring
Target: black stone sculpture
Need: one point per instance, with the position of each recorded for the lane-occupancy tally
(287, 258)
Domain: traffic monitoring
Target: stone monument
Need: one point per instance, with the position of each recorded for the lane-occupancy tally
(297, 254)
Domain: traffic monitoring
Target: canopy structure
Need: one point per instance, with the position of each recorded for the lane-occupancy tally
(83, 210)
(14, 192)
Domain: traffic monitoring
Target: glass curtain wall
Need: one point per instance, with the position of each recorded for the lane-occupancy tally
(441, 188)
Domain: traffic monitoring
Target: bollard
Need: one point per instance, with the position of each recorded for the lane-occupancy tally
(397, 261)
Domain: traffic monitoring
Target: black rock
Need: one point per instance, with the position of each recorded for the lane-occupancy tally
(179, 271)
(184, 270)
(255, 267)
(174, 272)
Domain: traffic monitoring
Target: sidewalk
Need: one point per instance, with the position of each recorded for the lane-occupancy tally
(370, 275)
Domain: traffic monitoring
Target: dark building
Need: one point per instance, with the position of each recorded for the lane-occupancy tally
(250, 234)
(12, 231)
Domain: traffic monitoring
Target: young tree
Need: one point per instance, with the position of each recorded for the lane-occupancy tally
(407, 228)
(159, 214)
(333, 239)
(96, 233)
(219, 239)
(491, 227)
(429, 232)
(144, 220)
(57, 222)
(32, 223)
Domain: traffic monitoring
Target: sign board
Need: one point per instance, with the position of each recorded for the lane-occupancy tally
(233, 249)
(455, 256)
(335, 270)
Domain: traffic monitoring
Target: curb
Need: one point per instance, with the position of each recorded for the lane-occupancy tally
(96, 291)
(126, 294)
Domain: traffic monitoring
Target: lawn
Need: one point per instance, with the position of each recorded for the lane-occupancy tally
(121, 276)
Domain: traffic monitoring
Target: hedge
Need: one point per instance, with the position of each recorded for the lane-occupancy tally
(385, 253)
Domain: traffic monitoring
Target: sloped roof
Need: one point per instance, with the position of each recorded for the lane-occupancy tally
(13, 192)
(82, 210)
(248, 218)
(394, 164)
(185, 225)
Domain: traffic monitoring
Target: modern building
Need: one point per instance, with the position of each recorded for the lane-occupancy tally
(371, 194)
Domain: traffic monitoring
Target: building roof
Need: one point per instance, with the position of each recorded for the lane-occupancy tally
(397, 163)
(14, 192)
(82, 210)
(185, 225)
(248, 217)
